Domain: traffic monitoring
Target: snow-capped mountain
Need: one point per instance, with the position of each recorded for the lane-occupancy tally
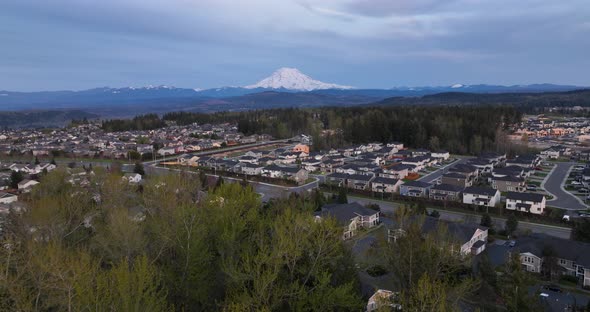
(293, 79)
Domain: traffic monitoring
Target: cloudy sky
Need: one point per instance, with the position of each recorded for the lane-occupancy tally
(78, 44)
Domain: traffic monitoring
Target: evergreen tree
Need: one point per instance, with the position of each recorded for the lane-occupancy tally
(511, 224)
(342, 196)
(15, 178)
(139, 168)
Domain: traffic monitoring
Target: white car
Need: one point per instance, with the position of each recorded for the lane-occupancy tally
(576, 183)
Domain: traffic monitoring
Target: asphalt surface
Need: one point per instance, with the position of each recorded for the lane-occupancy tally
(554, 185)
(389, 208)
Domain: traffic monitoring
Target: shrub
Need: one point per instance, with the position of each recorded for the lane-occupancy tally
(376, 270)
(569, 279)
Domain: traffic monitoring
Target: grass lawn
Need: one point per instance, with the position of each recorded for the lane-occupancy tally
(537, 183)
(540, 174)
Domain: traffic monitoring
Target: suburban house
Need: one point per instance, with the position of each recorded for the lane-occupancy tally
(448, 192)
(298, 175)
(572, 257)
(399, 171)
(385, 185)
(383, 299)
(525, 161)
(470, 171)
(251, 169)
(359, 181)
(482, 164)
(26, 185)
(440, 155)
(481, 196)
(495, 158)
(351, 216)
(7, 198)
(415, 189)
(455, 178)
(551, 152)
(469, 238)
(338, 179)
(419, 162)
(299, 148)
(508, 184)
(513, 171)
(527, 202)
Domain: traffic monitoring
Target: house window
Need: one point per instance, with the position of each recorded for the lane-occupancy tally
(562, 261)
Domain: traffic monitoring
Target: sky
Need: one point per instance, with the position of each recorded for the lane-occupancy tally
(81, 44)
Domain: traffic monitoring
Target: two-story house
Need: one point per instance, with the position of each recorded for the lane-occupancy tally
(351, 216)
(448, 192)
(415, 189)
(526, 202)
(481, 196)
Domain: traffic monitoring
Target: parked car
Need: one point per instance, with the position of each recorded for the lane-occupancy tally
(512, 243)
(576, 183)
(565, 218)
(531, 188)
(539, 168)
(553, 288)
(583, 190)
(579, 168)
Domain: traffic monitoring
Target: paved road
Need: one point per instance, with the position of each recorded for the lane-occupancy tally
(216, 151)
(433, 176)
(554, 185)
(389, 208)
(267, 191)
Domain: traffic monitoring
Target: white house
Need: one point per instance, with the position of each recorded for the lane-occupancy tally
(7, 198)
(351, 216)
(26, 185)
(444, 155)
(481, 196)
(527, 202)
(252, 169)
(166, 151)
(385, 185)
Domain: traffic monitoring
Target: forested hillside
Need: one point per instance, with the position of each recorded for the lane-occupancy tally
(469, 129)
(530, 102)
(141, 122)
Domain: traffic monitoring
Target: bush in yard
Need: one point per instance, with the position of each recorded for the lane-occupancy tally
(569, 279)
(376, 270)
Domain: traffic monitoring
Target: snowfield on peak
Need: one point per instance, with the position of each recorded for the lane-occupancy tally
(293, 79)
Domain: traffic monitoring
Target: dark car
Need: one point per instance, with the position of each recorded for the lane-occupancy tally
(553, 288)
(539, 168)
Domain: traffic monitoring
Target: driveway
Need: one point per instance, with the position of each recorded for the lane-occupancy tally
(554, 185)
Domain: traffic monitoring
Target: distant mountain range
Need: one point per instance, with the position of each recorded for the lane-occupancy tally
(286, 87)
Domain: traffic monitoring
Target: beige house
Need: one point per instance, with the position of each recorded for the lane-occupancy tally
(509, 184)
(572, 257)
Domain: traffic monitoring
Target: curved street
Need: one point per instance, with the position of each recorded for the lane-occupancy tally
(554, 185)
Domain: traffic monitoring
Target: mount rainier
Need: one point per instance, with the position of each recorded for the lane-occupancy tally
(293, 79)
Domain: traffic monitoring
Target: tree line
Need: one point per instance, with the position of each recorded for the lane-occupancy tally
(457, 129)
(140, 122)
(166, 246)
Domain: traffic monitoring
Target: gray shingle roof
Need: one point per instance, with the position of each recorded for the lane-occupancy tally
(343, 213)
